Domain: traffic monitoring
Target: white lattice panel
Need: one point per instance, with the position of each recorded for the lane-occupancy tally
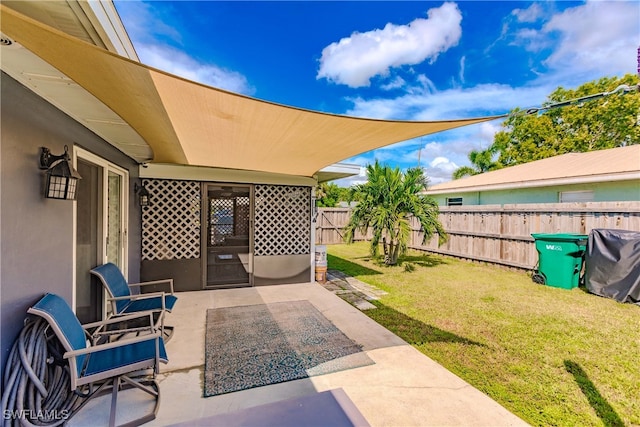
(228, 217)
(282, 220)
(171, 225)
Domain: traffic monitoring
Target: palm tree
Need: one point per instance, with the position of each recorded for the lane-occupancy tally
(482, 162)
(328, 195)
(464, 171)
(385, 203)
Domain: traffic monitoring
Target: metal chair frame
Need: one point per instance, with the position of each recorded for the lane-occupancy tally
(79, 354)
(103, 273)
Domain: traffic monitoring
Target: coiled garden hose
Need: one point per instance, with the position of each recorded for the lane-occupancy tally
(36, 383)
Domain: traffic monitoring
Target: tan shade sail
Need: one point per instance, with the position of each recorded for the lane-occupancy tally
(188, 123)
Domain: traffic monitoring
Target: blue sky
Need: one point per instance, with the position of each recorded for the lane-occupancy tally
(416, 60)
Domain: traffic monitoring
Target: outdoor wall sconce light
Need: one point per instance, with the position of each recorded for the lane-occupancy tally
(144, 198)
(61, 179)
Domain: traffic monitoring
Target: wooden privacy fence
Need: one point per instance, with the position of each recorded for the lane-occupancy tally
(330, 224)
(501, 234)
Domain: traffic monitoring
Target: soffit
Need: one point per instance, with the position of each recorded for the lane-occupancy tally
(337, 171)
(186, 123)
(58, 89)
(60, 15)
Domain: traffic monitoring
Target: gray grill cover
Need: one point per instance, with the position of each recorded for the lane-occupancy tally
(612, 264)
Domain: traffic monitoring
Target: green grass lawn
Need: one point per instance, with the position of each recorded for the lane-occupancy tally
(549, 355)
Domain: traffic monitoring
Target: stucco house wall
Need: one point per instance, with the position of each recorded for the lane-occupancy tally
(36, 234)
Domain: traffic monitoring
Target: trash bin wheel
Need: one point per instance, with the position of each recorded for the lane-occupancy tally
(538, 278)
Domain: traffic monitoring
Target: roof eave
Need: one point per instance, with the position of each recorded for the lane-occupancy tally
(337, 171)
(106, 21)
(623, 176)
(205, 173)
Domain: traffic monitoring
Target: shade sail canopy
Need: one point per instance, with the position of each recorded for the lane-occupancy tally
(188, 123)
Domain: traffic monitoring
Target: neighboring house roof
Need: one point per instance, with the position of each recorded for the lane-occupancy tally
(186, 123)
(615, 164)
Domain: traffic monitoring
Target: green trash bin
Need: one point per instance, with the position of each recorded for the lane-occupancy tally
(560, 258)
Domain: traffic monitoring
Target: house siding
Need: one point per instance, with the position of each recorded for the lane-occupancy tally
(36, 244)
(617, 191)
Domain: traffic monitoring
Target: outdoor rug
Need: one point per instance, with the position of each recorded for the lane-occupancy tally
(257, 345)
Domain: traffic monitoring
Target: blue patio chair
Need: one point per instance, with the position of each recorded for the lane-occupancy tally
(129, 362)
(124, 302)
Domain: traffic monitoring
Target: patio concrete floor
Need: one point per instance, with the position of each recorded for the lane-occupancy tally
(402, 388)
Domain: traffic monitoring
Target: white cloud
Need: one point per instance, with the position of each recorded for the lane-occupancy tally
(532, 40)
(180, 64)
(457, 146)
(397, 83)
(587, 42)
(531, 14)
(143, 23)
(426, 85)
(439, 154)
(487, 131)
(581, 54)
(147, 31)
(451, 151)
(577, 55)
(596, 38)
(445, 152)
(440, 170)
(441, 162)
(437, 170)
(422, 104)
(354, 60)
